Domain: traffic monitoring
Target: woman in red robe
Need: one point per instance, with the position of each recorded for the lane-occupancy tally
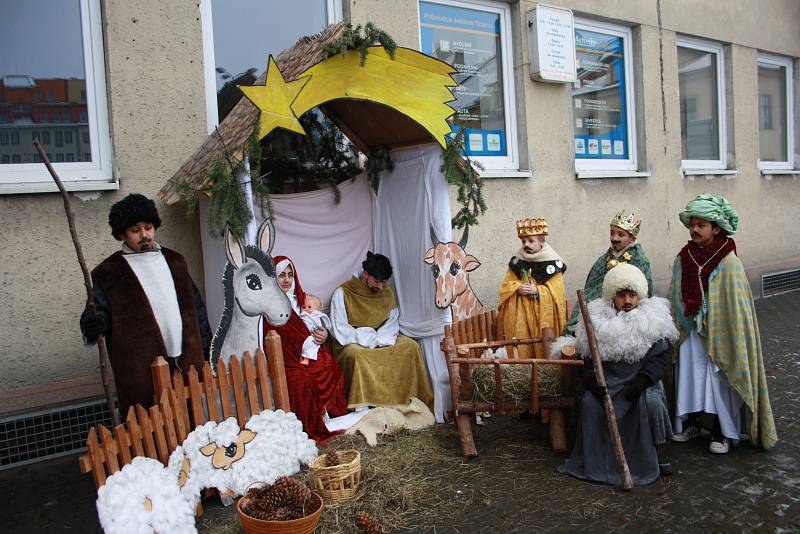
(316, 387)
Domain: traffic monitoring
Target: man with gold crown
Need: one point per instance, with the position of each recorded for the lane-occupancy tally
(624, 249)
(720, 366)
(532, 295)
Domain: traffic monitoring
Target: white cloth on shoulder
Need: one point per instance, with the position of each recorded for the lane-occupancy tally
(313, 320)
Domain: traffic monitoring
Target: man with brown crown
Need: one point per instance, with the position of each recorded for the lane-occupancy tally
(532, 295)
(381, 367)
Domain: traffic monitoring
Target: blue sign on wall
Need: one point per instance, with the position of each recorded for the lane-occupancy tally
(469, 40)
(599, 97)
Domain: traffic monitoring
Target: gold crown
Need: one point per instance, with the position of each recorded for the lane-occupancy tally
(627, 222)
(531, 227)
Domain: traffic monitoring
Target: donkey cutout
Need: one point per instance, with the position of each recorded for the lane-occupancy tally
(450, 265)
(251, 290)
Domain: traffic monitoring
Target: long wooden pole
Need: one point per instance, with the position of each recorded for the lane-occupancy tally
(105, 373)
(616, 441)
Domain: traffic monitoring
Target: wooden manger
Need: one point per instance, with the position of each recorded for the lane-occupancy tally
(469, 343)
(243, 389)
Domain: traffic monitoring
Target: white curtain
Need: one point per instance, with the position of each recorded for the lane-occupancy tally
(326, 241)
(411, 199)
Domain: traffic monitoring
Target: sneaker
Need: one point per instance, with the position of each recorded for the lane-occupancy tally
(665, 468)
(689, 432)
(721, 446)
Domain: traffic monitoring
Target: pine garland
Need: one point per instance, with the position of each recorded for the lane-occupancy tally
(459, 170)
(227, 201)
(361, 39)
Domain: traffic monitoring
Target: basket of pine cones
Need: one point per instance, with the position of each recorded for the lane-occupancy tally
(336, 474)
(288, 507)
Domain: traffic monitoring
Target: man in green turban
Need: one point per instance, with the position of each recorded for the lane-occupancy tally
(720, 366)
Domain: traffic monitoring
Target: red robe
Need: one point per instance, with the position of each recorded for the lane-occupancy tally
(313, 388)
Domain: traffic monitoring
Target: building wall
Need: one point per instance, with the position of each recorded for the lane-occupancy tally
(154, 62)
(579, 210)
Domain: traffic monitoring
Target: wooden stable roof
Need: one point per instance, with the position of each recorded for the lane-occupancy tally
(237, 126)
(367, 124)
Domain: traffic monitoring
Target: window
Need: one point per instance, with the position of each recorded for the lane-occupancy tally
(4, 138)
(74, 29)
(603, 98)
(68, 137)
(235, 48)
(60, 157)
(44, 116)
(702, 103)
(775, 112)
(56, 116)
(59, 135)
(70, 156)
(475, 37)
(15, 158)
(14, 138)
(5, 158)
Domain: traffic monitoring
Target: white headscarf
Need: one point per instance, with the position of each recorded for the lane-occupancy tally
(279, 268)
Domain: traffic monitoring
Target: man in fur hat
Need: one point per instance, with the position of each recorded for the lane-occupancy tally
(147, 304)
(720, 366)
(623, 231)
(381, 367)
(633, 333)
(532, 295)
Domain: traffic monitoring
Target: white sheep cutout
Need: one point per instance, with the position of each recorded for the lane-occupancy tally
(146, 497)
(142, 498)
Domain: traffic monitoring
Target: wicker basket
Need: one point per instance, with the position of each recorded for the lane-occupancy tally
(304, 525)
(339, 482)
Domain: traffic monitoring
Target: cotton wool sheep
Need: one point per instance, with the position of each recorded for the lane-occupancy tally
(142, 498)
(188, 466)
(279, 448)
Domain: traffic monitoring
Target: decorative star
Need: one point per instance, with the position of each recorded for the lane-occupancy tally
(274, 100)
(627, 256)
(612, 263)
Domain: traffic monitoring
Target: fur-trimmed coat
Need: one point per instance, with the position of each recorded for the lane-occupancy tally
(631, 344)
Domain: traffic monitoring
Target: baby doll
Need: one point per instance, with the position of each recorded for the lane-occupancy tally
(313, 319)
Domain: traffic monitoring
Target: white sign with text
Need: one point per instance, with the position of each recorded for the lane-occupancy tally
(551, 44)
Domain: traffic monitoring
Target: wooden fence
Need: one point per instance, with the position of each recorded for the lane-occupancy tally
(257, 383)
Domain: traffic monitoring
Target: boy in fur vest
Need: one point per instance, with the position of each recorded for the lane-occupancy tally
(633, 333)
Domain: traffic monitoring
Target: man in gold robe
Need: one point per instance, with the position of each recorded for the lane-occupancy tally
(381, 367)
(532, 295)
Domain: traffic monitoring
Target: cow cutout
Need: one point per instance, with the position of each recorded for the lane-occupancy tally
(450, 265)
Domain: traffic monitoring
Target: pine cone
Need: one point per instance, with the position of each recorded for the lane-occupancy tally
(276, 498)
(367, 524)
(331, 458)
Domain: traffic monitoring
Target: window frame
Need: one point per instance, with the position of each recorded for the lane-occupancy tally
(97, 174)
(773, 60)
(333, 14)
(612, 165)
(497, 166)
(722, 139)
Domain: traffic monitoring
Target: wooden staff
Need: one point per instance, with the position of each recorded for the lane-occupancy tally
(611, 418)
(105, 374)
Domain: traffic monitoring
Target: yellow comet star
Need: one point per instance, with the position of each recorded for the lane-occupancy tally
(274, 99)
(414, 84)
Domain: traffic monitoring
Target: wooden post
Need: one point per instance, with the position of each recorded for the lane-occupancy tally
(280, 391)
(105, 364)
(616, 441)
(462, 420)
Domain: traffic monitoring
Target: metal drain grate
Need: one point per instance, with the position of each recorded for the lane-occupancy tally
(780, 282)
(32, 437)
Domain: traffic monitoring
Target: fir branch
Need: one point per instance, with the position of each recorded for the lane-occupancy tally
(361, 38)
(459, 170)
(378, 160)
